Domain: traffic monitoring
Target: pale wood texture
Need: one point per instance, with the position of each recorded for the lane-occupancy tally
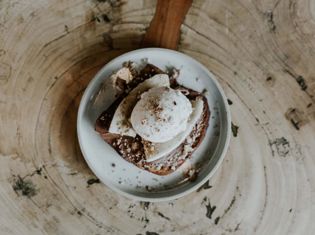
(164, 29)
(262, 53)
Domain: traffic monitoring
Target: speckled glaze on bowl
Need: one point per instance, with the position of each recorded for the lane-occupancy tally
(127, 179)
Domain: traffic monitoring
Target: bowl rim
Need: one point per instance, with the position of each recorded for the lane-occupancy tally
(86, 96)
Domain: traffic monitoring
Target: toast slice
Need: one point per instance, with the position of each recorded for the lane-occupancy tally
(132, 148)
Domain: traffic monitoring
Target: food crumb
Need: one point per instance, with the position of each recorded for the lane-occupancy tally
(191, 174)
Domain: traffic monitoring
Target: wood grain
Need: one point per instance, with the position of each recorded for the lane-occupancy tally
(262, 53)
(164, 29)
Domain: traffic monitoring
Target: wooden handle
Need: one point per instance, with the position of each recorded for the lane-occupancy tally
(164, 30)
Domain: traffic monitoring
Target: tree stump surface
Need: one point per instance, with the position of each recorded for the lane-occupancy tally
(262, 53)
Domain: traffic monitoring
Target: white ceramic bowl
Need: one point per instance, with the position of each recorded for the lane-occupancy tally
(127, 179)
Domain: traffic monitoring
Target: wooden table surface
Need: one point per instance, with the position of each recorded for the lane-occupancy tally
(263, 54)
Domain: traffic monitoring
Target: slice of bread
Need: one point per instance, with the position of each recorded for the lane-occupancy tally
(131, 149)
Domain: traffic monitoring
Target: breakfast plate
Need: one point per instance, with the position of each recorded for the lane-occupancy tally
(126, 178)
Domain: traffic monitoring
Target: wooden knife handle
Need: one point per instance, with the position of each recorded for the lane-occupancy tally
(164, 29)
